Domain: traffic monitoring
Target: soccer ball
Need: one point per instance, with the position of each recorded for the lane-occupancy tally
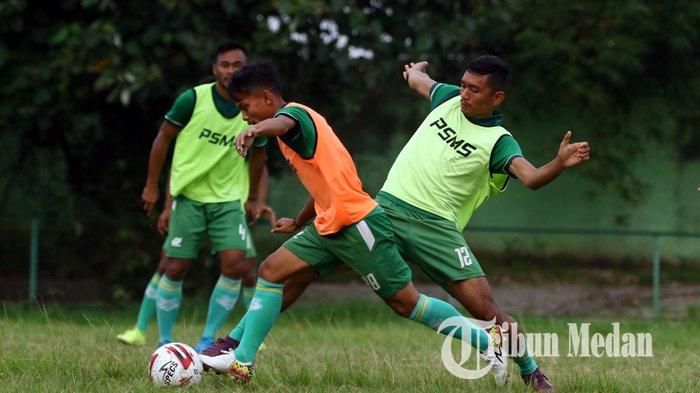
(175, 364)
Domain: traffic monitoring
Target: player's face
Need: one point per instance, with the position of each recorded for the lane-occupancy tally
(256, 106)
(478, 98)
(226, 64)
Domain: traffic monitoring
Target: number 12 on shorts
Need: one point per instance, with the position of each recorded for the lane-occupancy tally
(464, 258)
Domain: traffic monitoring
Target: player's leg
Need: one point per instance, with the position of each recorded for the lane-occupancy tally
(249, 277)
(229, 236)
(187, 225)
(248, 281)
(301, 254)
(369, 248)
(476, 296)
(436, 246)
(169, 298)
(147, 310)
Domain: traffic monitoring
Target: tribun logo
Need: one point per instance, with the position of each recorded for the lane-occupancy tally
(449, 135)
(216, 137)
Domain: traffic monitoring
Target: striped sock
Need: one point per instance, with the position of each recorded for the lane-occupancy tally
(168, 302)
(432, 312)
(148, 304)
(261, 316)
(526, 364)
(237, 332)
(247, 295)
(223, 299)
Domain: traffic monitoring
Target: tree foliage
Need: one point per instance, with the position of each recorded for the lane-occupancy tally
(85, 83)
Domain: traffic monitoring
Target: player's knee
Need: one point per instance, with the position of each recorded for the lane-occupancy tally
(268, 272)
(231, 272)
(250, 277)
(176, 270)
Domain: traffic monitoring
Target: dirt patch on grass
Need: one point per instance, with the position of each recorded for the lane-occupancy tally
(677, 300)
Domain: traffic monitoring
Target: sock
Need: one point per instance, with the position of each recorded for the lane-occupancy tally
(247, 295)
(223, 299)
(432, 312)
(525, 363)
(237, 332)
(148, 304)
(262, 314)
(167, 305)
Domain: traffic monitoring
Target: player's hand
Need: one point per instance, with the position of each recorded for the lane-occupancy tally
(252, 210)
(267, 212)
(163, 222)
(149, 197)
(244, 140)
(285, 225)
(572, 154)
(421, 66)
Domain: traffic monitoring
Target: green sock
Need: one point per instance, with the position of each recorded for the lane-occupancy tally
(237, 332)
(247, 295)
(525, 363)
(262, 314)
(223, 299)
(148, 304)
(167, 305)
(432, 312)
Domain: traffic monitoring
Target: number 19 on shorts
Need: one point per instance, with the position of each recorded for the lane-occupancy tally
(464, 258)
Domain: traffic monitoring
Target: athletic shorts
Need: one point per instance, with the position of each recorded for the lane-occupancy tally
(430, 242)
(367, 247)
(190, 221)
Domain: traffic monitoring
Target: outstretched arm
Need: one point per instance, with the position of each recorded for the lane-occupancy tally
(159, 150)
(277, 126)
(570, 154)
(418, 79)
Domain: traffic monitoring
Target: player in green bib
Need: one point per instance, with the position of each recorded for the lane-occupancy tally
(458, 157)
(209, 184)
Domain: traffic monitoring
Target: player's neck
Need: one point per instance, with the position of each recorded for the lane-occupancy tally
(222, 92)
(279, 103)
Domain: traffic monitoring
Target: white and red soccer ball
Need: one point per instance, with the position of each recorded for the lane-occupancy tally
(175, 364)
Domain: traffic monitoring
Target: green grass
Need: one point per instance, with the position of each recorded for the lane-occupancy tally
(346, 347)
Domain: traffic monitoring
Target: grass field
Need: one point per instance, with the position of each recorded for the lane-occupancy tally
(350, 346)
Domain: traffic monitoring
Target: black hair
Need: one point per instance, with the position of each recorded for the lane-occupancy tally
(229, 46)
(493, 67)
(254, 76)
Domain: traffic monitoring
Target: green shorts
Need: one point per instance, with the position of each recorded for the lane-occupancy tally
(367, 247)
(190, 221)
(430, 242)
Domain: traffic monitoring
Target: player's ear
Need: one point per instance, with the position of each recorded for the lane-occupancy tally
(498, 97)
(267, 96)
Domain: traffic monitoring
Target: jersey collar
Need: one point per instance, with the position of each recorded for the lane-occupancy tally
(496, 119)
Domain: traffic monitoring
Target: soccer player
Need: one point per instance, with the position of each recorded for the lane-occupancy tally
(348, 227)
(207, 182)
(458, 157)
(147, 310)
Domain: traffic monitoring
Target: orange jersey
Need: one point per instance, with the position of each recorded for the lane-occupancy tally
(330, 176)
